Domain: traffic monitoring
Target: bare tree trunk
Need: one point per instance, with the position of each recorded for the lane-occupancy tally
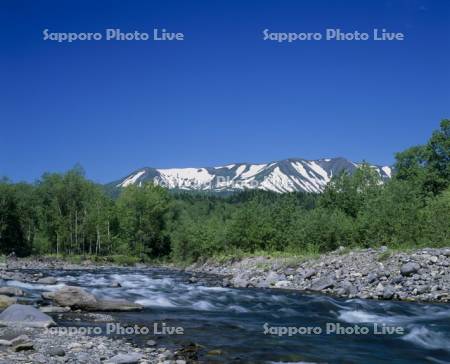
(57, 245)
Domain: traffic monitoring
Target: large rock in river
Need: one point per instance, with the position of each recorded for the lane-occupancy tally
(11, 291)
(73, 297)
(25, 316)
(47, 280)
(78, 298)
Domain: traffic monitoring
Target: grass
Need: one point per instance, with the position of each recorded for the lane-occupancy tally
(115, 259)
(286, 258)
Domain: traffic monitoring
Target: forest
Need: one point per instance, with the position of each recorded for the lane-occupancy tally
(67, 215)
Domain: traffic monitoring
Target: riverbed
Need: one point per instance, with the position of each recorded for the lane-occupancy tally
(251, 325)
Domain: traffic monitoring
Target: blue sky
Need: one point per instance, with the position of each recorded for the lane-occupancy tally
(223, 94)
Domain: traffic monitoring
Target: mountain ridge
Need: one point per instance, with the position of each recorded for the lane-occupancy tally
(286, 175)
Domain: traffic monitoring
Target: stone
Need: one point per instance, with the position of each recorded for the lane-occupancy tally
(75, 345)
(309, 273)
(388, 292)
(48, 295)
(25, 316)
(151, 343)
(323, 283)
(282, 284)
(11, 291)
(273, 277)
(21, 343)
(372, 277)
(409, 268)
(241, 281)
(74, 297)
(226, 282)
(54, 309)
(56, 351)
(6, 301)
(78, 298)
(47, 280)
(129, 358)
(348, 288)
(23, 346)
(379, 289)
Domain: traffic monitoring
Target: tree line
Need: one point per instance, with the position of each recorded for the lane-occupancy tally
(66, 214)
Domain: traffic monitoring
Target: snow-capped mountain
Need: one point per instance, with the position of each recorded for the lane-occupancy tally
(287, 175)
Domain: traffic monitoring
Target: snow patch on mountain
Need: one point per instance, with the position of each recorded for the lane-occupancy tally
(287, 175)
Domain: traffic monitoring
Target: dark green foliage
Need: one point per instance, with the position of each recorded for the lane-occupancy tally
(69, 215)
(428, 164)
(141, 213)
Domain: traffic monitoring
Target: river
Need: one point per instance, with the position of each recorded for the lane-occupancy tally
(249, 325)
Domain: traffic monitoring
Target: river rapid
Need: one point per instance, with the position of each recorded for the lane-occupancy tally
(262, 325)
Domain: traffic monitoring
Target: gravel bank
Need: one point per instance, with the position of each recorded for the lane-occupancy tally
(421, 275)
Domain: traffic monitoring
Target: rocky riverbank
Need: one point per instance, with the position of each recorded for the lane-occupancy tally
(421, 275)
(29, 330)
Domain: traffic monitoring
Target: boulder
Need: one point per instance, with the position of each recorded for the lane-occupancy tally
(409, 268)
(73, 297)
(47, 280)
(6, 301)
(241, 280)
(323, 283)
(372, 277)
(273, 277)
(25, 316)
(78, 298)
(348, 288)
(56, 351)
(388, 292)
(309, 273)
(11, 291)
(129, 358)
(20, 343)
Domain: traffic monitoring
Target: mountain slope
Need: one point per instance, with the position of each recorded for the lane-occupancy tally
(287, 175)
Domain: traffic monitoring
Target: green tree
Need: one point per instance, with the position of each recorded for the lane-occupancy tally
(141, 213)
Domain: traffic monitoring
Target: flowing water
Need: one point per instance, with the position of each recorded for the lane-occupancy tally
(244, 324)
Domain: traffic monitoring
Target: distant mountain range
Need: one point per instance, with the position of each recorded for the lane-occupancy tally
(287, 175)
